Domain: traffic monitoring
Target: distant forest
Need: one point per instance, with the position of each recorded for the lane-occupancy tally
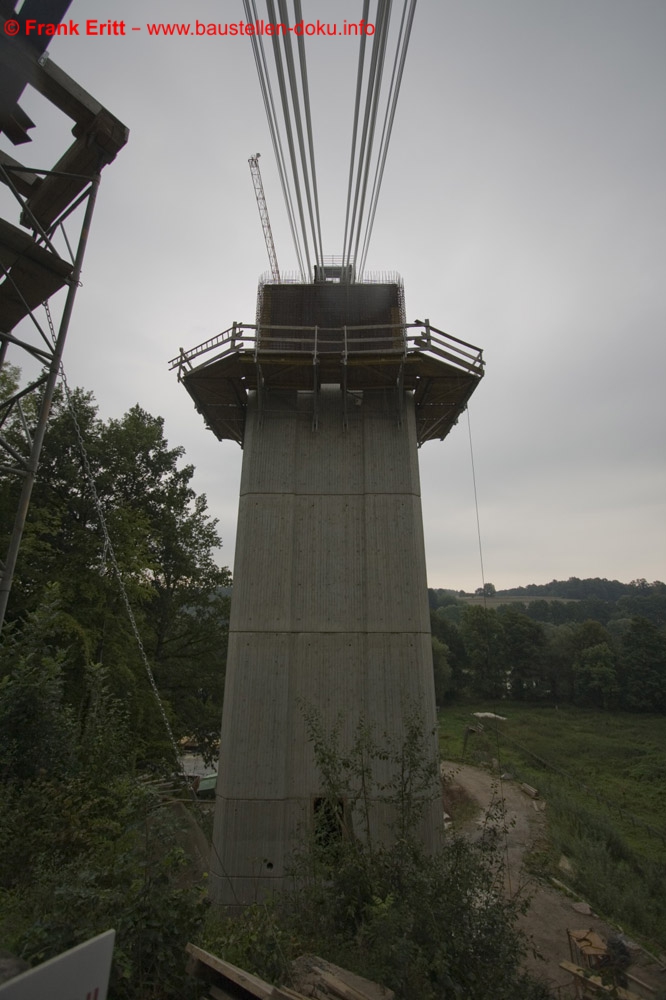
(595, 643)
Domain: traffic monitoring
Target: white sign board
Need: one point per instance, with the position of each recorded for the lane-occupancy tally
(79, 974)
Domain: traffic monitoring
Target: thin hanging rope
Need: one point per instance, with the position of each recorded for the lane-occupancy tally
(476, 503)
(505, 829)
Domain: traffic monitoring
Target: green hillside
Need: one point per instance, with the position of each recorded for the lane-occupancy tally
(603, 775)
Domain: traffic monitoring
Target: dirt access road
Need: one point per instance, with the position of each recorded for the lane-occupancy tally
(523, 826)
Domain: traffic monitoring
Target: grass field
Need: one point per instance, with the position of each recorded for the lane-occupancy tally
(603, 776)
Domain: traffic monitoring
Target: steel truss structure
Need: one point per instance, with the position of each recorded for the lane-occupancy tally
(39, 258)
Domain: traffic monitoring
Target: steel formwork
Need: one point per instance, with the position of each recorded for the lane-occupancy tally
(38, 257)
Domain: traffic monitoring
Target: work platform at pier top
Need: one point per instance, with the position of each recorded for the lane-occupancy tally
(331, 332)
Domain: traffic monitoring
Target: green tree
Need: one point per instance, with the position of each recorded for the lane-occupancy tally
(558, 659)
(86, 846)
(37, 727)
(442, 670)
(596, 676)
(643, 667)
(449, 634)
(481, 630)
(522, 642)
(165, 547)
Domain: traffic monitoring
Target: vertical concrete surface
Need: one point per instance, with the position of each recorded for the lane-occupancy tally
(329, 614)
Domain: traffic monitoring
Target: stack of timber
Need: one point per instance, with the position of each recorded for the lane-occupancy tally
(314, 977)
(599, 963)
(589, 986)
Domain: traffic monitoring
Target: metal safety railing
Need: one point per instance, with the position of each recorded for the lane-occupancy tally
(388, 339)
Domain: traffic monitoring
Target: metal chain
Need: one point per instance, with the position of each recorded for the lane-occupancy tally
(108, 545)
(130, 614)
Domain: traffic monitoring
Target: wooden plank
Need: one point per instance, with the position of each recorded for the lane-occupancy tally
(255, 986)
(596, 984)
(287, 993)
(339, 988)
(635, 979)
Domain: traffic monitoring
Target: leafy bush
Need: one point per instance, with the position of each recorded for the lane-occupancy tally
(86, 846)
(427, 926)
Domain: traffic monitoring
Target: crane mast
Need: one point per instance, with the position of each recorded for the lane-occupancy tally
(263, 215)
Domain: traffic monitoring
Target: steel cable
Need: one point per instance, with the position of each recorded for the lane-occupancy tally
(370, 86)
(290, 136)
(357, 106)
(308, 120)
(271, 115)
(367, 161)
(383, 37)
(394, 91)
(298, 121)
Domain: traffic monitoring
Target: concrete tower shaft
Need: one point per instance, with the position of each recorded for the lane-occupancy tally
(330, 394)
(329, 613)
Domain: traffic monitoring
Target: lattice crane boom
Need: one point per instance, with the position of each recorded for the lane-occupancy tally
(263, 215)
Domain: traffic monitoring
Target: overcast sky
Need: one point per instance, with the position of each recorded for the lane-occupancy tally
(523, 204)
